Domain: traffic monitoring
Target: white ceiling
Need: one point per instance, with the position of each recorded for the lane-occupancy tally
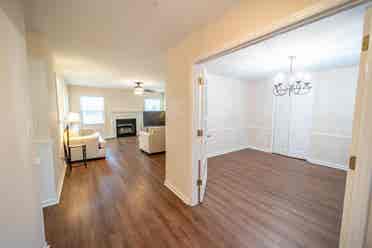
(112, 43)
(331, 42)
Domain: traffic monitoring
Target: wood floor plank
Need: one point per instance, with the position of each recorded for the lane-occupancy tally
(253, 199)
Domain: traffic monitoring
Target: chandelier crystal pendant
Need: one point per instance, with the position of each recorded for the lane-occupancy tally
(292, 83)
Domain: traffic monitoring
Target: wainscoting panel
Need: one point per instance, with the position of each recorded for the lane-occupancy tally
(44, 152)
(330, 150)
(260, 138)
(222, 141)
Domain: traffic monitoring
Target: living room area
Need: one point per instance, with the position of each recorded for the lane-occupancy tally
(105, 115)
(124, 133)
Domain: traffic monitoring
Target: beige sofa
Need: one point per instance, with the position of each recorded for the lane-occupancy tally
(94, 142)
(152, 140)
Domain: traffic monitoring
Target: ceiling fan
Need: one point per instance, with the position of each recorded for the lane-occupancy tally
(140, 90)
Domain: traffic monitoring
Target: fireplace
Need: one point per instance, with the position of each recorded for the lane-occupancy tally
(126, 127)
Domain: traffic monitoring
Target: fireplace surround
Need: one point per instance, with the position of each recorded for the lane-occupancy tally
(126, 127)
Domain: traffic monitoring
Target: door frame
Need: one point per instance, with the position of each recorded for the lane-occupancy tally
(303, 18)
(199, 151)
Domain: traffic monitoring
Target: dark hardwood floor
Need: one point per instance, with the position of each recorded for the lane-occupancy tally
(253, 200)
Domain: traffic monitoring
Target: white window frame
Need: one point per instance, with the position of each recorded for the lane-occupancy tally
(100, 110)
(152, 99)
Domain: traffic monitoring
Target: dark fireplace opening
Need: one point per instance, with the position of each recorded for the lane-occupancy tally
(126, 127)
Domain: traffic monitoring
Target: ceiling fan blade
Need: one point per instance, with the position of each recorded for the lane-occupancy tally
(150, 91)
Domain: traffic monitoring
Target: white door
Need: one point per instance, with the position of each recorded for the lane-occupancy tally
(201, 97)
(292, 125)
(300, 125)
(358, 186)
(282, 113)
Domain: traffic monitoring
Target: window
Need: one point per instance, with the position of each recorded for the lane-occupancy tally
(92, 110)
(152, 104)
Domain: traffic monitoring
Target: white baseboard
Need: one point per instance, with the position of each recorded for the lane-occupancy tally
(328, 164)
(259, 149)
(60, 186)
(110, 137)
(55, 200)
(172, 188)
(236, 149)
(49, 202)
(218, 153)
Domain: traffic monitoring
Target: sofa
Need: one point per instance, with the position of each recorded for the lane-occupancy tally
(152, 139)
(94, 142)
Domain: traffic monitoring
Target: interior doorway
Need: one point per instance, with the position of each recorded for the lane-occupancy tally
(316, 126)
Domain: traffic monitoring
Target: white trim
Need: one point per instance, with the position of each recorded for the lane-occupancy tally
(331, 135)
(328, 164)
(219, 153)
(236, 149)
(49, 202)
(60, 186)
(47, 141)
(180, 195)
(55, 200)
(310, 160)
(265, 129)
(268, 150)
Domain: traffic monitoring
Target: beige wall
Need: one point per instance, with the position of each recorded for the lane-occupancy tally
(21, 223)
(244, 21)
(116, 100)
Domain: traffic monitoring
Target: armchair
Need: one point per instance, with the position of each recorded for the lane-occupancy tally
(95, 145)
(152, 140)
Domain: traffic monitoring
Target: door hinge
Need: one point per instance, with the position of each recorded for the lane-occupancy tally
(200, 133)
(365, 44)
(199, 182)
(352, 162)
(200, 81)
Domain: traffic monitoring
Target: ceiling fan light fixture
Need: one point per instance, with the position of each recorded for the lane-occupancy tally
(138, 89)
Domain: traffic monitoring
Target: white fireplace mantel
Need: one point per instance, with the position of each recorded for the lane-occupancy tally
(115, 115)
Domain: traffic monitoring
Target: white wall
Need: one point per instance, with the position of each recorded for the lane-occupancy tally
(116, 100)
(260, 104)
(227, 115)
(334, 96)
(239, 115)
(333, 111)
(21, 222)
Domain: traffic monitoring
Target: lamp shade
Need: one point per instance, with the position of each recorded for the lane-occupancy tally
(72, 118)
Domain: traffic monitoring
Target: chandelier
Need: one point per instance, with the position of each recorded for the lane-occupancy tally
(292, 83)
